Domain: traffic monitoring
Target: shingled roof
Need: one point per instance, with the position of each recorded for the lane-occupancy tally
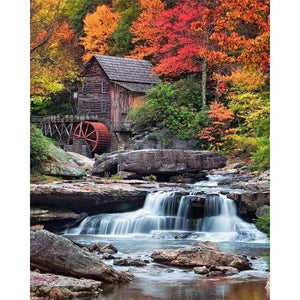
(128, 70)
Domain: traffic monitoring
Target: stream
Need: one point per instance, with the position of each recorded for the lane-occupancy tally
(167, 221)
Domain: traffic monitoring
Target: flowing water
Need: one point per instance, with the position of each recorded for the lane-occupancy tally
(166, 221)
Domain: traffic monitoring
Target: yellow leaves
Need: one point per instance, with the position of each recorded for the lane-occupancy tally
(244, 79)
(98, 27)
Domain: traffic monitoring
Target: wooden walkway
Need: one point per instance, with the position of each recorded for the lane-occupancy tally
(59, 127)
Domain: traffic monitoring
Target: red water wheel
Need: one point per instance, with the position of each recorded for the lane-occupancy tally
(96, 135)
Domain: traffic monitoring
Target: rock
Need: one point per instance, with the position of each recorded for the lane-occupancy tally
(47, 217)
(207, 245)
(87, 197)
(268, 284)
(56, 254)
(129, 262)
(158, 162)
(262, 210)
(107, 256)
(95, 247)
(37, 227)
(81, 160)
(247, 203)
(198, 256)
(182, 236)
(129, 175)
(224, 269)
(159, 139)
(109, 247)
(169, 271)
(109, 251)
(201, 270)
(62, 287)
(66, 164)
(237, 165)
(215, 273)
(59, 293)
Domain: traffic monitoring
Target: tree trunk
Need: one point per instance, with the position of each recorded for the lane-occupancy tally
(204, 80)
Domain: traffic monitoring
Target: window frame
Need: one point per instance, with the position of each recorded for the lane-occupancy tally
(103, 87)
(103, 106)
(84, 88)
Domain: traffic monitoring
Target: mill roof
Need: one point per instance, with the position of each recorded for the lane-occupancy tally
(128, 70)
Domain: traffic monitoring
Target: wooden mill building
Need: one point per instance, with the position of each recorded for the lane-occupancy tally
(111, 87)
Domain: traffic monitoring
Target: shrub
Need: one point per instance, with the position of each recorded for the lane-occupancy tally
(261, 158)
(175, 107)
(116, 177)
(150, 178)
(263, 223)
(39, 147)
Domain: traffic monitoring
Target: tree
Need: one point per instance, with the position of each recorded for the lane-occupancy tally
(145, 29)
(220, 118)
(249, 97)
(242, 30)
(52, 68)
(120, 42)
(98, 27)
(177, 40)
(76, 10)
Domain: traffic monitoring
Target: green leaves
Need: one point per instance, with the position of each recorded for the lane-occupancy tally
(39, 147)
(174, 107)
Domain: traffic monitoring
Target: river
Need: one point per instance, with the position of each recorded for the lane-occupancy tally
(166, 222)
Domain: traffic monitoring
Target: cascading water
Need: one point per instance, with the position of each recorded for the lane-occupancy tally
(166, 211)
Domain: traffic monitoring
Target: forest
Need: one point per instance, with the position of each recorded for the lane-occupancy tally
(213, 57)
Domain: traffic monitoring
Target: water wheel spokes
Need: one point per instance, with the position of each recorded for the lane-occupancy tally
(96, 135)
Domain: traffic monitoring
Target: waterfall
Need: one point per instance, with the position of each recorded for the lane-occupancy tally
(164, 211)
(219, 214)
(158, 213)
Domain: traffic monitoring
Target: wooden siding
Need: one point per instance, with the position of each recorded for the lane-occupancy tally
(92, 101)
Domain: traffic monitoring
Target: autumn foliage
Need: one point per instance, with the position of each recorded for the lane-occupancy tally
(220, 118)
(51, 41)
(223, 45)
(98, 27)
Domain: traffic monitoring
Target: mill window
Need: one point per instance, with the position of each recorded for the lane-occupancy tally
(84, 88)
(103, 106)
(103, 88)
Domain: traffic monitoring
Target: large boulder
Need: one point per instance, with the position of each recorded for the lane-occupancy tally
(62, 287)
(89, 197)
(66, 164)
(56, 254)
(248, 203)
(158, 162)
(202, 254)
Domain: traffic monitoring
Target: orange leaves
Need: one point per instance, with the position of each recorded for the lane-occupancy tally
(98, 27)
(242, 27)
(219, 114)
(146, 30)
(220, 117)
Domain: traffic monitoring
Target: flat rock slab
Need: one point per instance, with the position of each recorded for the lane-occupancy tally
(158, 161)
(88, 197)
(58, 286)
(56, 254)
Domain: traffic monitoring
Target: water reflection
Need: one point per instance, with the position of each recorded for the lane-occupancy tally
(216, 289)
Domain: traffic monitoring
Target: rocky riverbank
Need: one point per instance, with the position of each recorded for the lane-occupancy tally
(59, 205)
